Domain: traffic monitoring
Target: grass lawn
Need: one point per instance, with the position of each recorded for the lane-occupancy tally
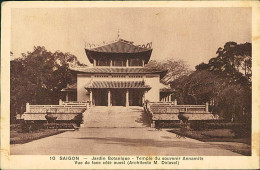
(223, 138)
(19, 138)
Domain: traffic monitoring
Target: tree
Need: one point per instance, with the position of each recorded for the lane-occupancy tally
(175, 69)
(195, 88)
(225, 82)
(38, 77)
(232, 60)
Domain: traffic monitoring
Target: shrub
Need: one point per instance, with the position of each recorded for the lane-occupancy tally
(198, 125)
(24, 126)
(59, 126)
(239, 129)
(50, 118)
(78, 119)
(242, 131)
(167, 124)
(30, 126)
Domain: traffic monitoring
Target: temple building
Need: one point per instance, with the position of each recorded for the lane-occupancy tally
(118, 76)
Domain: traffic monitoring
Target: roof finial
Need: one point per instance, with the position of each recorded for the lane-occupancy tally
(118, 34)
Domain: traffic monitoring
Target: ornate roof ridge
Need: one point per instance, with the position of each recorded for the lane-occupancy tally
(147, 46)
(104, 44)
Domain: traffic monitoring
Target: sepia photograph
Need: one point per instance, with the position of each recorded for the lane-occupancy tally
(111, 82)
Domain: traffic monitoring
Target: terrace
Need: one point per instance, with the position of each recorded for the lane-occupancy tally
(169, 111)
(65, 111)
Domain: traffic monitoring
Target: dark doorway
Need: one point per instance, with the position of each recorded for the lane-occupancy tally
(135, 97)
(100, 97)
(118, 97)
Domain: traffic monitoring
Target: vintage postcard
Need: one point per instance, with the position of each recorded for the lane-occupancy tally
(130, 85)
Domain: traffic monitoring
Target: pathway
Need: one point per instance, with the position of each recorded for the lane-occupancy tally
(116, 117)
(118, 131)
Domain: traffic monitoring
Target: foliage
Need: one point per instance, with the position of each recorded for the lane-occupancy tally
(78, 119)
(233, 60)
(240, 130)
(28, 127)
(202, 125)
(38, 77)
(225, 82)
(50, 118)
(175, 69)
(167, 124)
(68, 125)
(20, 138)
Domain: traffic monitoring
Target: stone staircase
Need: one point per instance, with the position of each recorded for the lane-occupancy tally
(115, 117)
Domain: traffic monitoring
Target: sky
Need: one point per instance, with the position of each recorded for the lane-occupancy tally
(190, 34)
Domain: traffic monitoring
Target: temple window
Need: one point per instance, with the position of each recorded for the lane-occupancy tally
(101, 75)
(135, 76)
(118, 76)
(135, 62)
(103, 62)
(119, 62)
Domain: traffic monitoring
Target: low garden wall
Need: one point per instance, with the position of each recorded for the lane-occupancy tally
(41, 116)
(174, 116)
(159, 111)
(64, 111)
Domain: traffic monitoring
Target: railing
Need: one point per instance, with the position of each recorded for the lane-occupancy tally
(168, 103)
(65, 108)
(63, 111)
(170, 107)
(73, 103)
(170, 111)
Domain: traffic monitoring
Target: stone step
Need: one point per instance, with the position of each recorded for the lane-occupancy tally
(115, 117)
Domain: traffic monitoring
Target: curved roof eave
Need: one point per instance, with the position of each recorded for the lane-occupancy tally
(95, 70)
(145, 50)
(147, 56)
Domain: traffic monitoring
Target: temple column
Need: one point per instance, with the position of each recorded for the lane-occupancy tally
(207, 107)
(111, 64)
(143, 63)
(127, 98)
(143, 98)
(67, 96)
(90, 97)
(27, 107)
(170, 98)
(94, 63)
(127, 64)
(108, 98)
(175, 102)
(60, 102)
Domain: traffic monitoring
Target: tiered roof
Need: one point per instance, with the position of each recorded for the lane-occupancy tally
(120, 70)
(117, 84)
(165, 88)
(71, 87)
(118, 47)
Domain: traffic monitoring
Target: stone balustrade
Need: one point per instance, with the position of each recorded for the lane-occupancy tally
(63, 111)
(74, 103)
(54, 108)
(170, 111)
